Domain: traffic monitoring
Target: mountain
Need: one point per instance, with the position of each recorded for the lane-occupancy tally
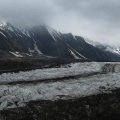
(112, 51)
(43, 40)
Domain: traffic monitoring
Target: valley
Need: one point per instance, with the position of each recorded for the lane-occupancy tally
(49, 75)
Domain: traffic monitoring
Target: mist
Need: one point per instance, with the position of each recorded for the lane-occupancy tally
(93, 19)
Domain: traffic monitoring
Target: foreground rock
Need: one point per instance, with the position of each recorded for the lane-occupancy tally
(97, 107)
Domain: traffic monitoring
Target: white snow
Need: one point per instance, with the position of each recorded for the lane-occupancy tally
(76, 57)
(77, 52)
(30, 50)
(20, 35)
(117, 51)
(2, 23)
(25, 32)
(109, 48)
(37, 49)
(16, 54)
(11, 29)
(28, 34)
(53, 33)
(93, 43)
(74, 37)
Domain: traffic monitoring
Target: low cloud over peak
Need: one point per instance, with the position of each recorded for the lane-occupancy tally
(96, 20)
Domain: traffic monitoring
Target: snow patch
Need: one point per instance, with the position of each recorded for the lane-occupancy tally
(77, 52)
(2, 34)
(28, 34)
(16, 54)
(93, 43)
(51, 33)
(37, 49)
(3, 23)
(76, 57)
(54, 33)
(11, 29)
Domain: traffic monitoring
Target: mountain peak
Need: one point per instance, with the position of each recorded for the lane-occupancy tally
(3, 23)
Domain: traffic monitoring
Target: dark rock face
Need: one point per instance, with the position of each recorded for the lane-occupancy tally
(104, 106)
(47, 41)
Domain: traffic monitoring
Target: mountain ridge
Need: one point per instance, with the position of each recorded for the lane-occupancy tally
(44, 40)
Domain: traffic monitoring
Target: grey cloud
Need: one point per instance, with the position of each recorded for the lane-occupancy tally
(105, 9)
(28, 11)
(96, 19)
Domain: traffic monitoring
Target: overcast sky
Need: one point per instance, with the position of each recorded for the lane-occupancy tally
(98, 20)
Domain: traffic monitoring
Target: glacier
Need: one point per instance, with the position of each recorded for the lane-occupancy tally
(18, 95)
